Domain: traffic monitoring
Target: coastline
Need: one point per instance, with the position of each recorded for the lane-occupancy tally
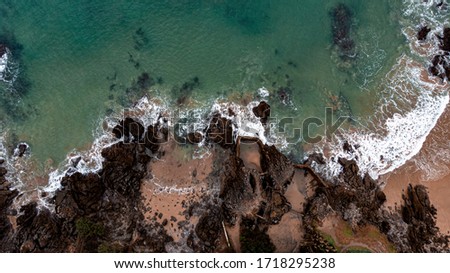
(422, 169)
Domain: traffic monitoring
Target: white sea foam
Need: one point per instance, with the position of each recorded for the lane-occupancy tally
(149, 112)
(146, 111)
(245, 123)
(263, 92)
(3, 64)
(9, 69)
(411, 104)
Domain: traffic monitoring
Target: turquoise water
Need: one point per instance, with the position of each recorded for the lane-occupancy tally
(82, 59)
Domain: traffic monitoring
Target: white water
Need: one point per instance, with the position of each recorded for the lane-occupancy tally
(3, 65)
(411, 104)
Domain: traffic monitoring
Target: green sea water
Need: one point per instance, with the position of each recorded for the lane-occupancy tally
(82, 59)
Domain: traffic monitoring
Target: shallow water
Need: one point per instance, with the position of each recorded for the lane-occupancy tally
(81, 59)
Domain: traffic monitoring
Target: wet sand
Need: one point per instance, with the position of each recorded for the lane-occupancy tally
(431, 168)
(175, 184)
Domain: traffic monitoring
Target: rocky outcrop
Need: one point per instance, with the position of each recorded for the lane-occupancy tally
(440, 64)
(194, 137)
(6, 197)
(220, 131)
(420, 216)
(21, 149)
(262, 111)
(102, 211)
(94, 211)
(446, 39)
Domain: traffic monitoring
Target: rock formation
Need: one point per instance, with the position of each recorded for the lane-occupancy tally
(341, 16)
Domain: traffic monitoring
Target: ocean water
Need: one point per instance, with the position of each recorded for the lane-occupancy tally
(73, 64)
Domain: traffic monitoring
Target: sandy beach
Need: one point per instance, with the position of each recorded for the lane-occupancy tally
(430, 168)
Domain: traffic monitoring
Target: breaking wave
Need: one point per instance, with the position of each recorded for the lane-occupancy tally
(410, 103)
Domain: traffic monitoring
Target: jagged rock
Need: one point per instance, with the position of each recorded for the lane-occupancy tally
(420, 215)
(315, 157)
(118, 131)
(21, 149)
(3, 171)
(254, 238)
(423, 32)
(86, 190)
(132, 128)
(240, 188)
(195, 137)
(262, 111)
(209, 228)
(234, 188)
(124, 167)
(347, 147)
(446, 39)
(6, 198)
(220, 131)
(155, 136)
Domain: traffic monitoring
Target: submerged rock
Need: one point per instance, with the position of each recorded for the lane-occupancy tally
(341, 26)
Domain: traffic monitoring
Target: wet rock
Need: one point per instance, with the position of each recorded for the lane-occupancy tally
(21, 149)
(155, 136)
(220, 131)
(85, 189)
(315, 157)
(74, 161)
(118, 131)
(2, 49)
(446, 39)
(422, 33)
(28, 212)
(262, 111)
(124, 167)
(347, 147)
(195, 137)
(254, 238)
(3, 171)
(209, 228)
(133, 128)
(235, 190)
(6, 198)
(420, 215)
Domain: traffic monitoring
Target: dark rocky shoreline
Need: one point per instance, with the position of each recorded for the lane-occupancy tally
(102, 212)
